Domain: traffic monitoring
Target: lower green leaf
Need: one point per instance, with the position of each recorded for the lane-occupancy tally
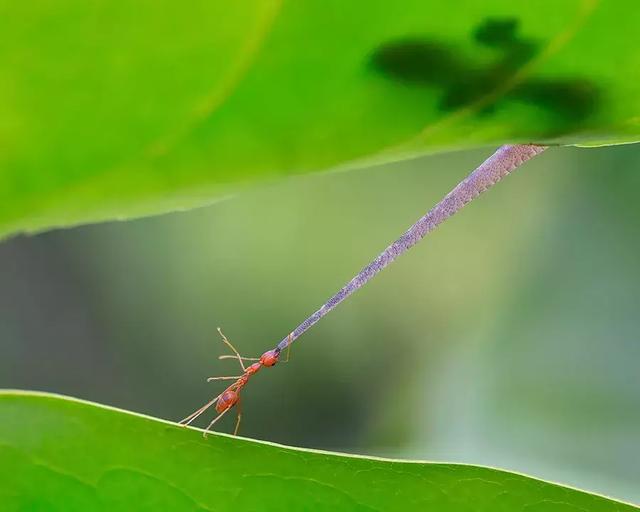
(63, 454)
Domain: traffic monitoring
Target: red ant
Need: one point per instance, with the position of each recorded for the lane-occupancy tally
(231, 396)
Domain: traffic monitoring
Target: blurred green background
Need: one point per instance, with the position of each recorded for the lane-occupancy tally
(510, 337)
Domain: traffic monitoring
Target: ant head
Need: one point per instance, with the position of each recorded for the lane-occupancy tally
(227, 400)
(269, 358)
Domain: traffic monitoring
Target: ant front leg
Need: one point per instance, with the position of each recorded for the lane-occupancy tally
(237, 354)
(289, 341)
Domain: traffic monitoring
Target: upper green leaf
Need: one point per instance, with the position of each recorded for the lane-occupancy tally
(62, 454)
(116, 109)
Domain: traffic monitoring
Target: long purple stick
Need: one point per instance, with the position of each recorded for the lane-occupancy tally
(491, 171)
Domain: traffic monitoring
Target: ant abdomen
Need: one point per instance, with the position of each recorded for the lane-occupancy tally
(227, 400)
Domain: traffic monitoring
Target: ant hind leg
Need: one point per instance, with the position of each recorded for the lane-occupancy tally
(214, 421)
(239, 417)
(194, 415)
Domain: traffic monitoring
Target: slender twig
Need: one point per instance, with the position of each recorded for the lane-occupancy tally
(491, 171)
(496, 167)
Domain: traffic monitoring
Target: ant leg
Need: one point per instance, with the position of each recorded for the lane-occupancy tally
(232, 377)
(194, 415)
(239, 419)
(288, 347)
(189, 419)
(237, 355)
(213, 422)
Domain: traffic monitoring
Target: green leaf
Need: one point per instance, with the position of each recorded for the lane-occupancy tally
(63, 454)
(118, 109)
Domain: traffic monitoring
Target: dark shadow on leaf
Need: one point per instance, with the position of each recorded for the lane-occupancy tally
(428, 63)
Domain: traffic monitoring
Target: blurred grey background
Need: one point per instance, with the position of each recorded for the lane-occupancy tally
(509, 337)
